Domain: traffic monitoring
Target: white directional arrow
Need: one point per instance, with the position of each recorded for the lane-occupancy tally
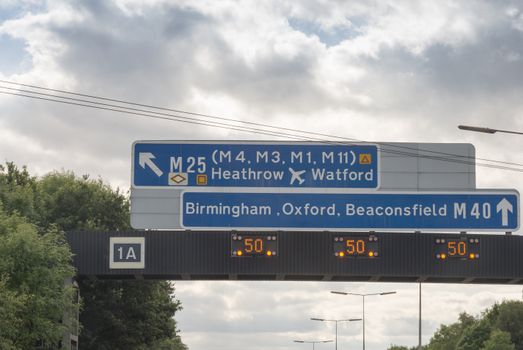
(146, 158)
(504, 207)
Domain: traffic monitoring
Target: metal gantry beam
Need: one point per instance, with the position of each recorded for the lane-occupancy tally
(300, 256)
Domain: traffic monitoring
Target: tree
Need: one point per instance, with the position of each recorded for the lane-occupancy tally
(18, 191)
(474, 335)
(510, 319)
(10, 322)
(499, 340)
(117, 314)
(33, 295)
(138, 314)
(81, 204)
(142, 314)
(500, 327)
(447, 337)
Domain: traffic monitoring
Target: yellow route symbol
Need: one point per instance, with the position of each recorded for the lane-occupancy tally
(201, 179)
(365, 158)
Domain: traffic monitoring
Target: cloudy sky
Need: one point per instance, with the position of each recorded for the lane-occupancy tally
(366, 70)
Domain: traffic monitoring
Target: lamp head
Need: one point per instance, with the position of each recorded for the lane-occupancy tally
(341, 293)
(477, 129)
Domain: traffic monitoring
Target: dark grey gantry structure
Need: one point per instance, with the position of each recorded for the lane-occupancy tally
(308, 211)
(303, 256)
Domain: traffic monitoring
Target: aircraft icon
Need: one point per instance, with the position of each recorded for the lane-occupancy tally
(296, 176)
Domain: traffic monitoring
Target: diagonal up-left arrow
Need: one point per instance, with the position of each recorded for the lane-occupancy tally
(146, 158)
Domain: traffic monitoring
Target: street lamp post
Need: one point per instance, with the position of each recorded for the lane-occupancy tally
(336, 322)
(487, 130)
(363, 302)
(313, 342)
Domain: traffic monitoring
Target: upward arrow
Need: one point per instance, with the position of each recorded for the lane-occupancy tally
(146, 158)
(504, 207)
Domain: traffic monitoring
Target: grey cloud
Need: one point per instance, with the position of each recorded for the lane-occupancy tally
(253, 341)
(477, 83)
(183, 23)
(484, 68)
(158, 53)
(276, 84)
(140, 57)
(110, 57)
(256, 307)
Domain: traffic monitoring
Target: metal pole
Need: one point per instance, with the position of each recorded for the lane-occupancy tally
(363, 298)
(336, 344)
(419, 319)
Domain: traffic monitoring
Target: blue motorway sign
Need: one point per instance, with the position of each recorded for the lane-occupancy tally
(249, 164)
(486, 211)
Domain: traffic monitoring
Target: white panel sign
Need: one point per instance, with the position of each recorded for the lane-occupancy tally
(127, 252)
(160, 178)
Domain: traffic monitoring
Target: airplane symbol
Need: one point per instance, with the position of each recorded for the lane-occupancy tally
(296, 175)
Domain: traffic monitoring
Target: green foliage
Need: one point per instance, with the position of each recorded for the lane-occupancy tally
(498, 328)
(18, 191)
(447, 337)
(11, 322)
(499, 340)
(474, 335)
(81, 204)
(510, 319)
(169, 344)
(116, 314)
(132, 315)
(63, 200)
(33, 296)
